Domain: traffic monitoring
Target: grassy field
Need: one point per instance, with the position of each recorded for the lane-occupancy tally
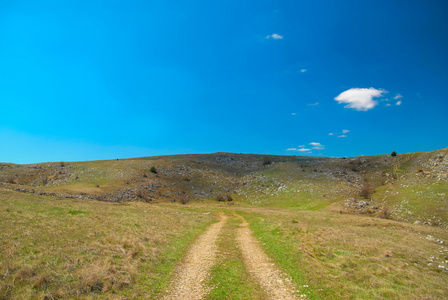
(88, 249)
(342, 256)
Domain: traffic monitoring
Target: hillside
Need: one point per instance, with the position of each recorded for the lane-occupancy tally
(410, 187)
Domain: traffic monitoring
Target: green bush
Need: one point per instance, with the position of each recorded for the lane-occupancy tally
(153, 170)
(393, 154)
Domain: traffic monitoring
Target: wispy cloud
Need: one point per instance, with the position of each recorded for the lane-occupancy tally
(316, 144)
(331, 133)
(398, 96)
(303, 150)
(301, 146)
(275, 36)
(360, 99)
(303, 70)
(313, 104)
(342, 136)
(293, 114)
(345, 131)
(291, 149)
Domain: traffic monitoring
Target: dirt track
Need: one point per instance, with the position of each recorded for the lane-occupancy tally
(271, 279)
(188, 283)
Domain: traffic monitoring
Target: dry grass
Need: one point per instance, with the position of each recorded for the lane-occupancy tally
(102, 250)
(355, 257)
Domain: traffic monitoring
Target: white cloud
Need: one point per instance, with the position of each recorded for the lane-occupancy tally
(291, 149)
(345, 131)
(303, 70)
(342, 135)
(293, 114)
(275, 36)
(303, 150)
(331, 133)
(360, 99)
(313, 104)
(318, 148)
(388, 104)
(301, 146)
(398, 102)
(316, 144)
(398, 96)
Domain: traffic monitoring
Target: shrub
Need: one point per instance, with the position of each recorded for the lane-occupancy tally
(393, 154)
(186, 179)
(385, 213)
(153, 170)
(266, 161)
(366, 191)
(184, 199)
(229, 197)
(220, 198)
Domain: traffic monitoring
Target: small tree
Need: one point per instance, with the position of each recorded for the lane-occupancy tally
(393, 154)
(153, 170)
(229, 197)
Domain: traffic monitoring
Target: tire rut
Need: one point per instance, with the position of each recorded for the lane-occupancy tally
(189, 278)
(270, 278)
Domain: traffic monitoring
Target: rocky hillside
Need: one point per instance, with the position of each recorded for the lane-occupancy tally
(402, 186)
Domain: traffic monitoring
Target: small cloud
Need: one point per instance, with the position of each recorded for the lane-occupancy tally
(303, 150)
(275, 36)
(301, 146)
(398, 102)
(303, 70)
(331, 133)
(291, 149)
(318, 148)
(360, 99)
(398, 96)
(313, 104)
(341, 136)
(316, 144)
(345, 131)
(293, 114)
(388, 104)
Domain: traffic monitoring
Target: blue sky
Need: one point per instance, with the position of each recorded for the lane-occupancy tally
(86, 80)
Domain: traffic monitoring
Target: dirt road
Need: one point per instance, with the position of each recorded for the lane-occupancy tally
(189, 281)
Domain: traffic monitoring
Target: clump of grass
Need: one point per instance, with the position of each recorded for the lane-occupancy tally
(229, 197)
